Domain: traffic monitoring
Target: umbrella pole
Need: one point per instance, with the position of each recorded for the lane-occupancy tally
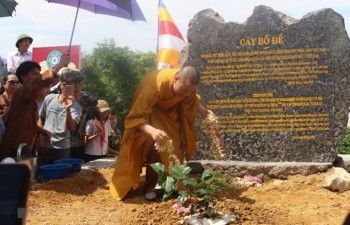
(75, 20)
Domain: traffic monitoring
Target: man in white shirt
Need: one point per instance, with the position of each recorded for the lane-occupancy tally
(22, 54)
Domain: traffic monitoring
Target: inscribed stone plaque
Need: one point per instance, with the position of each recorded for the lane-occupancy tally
(280, 86)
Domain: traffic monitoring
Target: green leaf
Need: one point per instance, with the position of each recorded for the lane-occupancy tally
(158, 167)
(162, 180)
(208, 180)
(207, 173)
(209, 211)
(169, 184)
(201, 192)
(194, 209)
(167, 194)
(218, 175)
(189, 181)
(179, 171)
(222, 184)
(207, 199)
(182, 197)
(345, 146)
(183, 193)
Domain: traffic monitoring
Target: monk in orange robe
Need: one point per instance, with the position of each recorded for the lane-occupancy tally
(164, 107)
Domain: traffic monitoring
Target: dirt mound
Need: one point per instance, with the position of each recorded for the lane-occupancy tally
(84, 198)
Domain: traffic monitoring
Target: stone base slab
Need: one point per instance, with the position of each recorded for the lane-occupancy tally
(279, 170)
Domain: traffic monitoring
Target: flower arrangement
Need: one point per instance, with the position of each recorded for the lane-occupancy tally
(210, 126)
(247, 181)
(169, 148)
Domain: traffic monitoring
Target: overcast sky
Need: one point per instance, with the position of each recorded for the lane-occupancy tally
(50, 24)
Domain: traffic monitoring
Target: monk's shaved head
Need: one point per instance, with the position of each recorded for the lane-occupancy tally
(189, 73)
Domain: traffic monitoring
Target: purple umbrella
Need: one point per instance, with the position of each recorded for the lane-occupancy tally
(126, 9)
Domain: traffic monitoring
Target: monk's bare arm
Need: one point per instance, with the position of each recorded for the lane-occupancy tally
(158, 135)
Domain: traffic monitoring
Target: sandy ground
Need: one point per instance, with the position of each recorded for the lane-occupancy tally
(84, 198)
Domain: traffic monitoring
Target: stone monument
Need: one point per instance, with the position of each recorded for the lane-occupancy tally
(279, 85)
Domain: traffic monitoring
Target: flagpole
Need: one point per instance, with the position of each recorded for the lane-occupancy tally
(158, 35)
(75, 21)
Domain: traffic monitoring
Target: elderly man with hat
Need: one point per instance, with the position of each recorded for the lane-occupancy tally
(22, 54)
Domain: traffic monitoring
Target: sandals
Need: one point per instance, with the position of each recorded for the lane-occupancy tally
(150, 195)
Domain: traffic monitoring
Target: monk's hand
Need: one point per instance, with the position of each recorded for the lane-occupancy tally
(159, 136)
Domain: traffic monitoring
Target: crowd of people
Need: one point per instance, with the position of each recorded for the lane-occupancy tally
(50, 112)
(62, 123)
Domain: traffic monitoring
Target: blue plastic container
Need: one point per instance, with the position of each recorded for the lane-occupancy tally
(75, 162)
(55, 171)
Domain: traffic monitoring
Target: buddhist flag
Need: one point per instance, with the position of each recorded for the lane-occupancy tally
(170, 40)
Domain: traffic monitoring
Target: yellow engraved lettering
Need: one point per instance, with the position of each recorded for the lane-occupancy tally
(274, 40)
(280, 39)
(266, 39)
(252, 40)
(262, 95)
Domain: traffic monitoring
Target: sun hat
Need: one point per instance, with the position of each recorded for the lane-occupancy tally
(23, 36)
(103, 106)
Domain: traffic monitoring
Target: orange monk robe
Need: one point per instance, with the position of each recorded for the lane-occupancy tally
(155, 103)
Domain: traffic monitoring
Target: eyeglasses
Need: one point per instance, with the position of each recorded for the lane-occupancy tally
(13, 82)
(64, 84)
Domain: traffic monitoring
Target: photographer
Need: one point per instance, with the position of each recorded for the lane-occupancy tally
(59, 114)
(77, 137)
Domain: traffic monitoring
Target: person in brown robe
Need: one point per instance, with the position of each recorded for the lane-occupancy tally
(20, 118)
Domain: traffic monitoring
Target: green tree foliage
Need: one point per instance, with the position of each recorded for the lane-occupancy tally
(113, 73)
(345, 147)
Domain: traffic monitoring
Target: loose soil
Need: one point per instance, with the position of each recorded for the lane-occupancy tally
(84, 198)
